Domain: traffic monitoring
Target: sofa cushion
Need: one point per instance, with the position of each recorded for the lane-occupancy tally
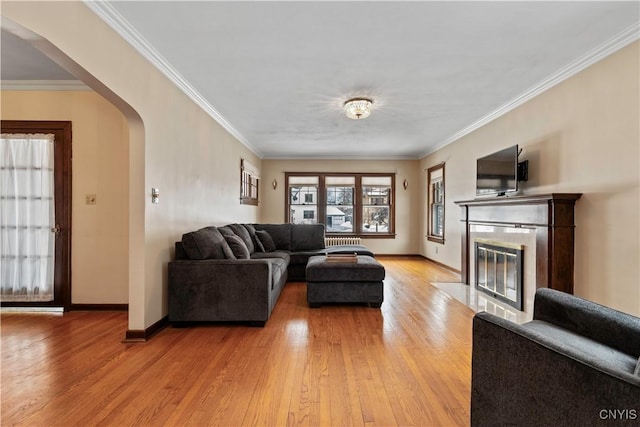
(275, 254)
(238, 247)
(226, 231)
(264, 239)
(636, 372)
(206, 243)
(242, 232)
(279, 233)
(250, 228)
(306, 237)
(278, 269)
(180, 252)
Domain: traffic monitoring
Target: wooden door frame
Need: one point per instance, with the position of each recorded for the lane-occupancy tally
(62, 270)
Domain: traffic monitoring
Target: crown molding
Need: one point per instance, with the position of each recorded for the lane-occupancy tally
(44, 85)
(375, 157)
(607, 48)
(120, 25)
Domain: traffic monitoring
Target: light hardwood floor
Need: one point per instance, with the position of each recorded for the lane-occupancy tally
(408, 363)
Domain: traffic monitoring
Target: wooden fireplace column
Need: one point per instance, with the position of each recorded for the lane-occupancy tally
(552, 216)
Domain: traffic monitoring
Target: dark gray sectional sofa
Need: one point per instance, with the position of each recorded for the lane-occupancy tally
(236, 272)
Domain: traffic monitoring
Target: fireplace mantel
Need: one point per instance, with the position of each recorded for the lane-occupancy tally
(552, 216)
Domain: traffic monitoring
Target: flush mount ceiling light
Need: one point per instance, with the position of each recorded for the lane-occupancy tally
(358, 108)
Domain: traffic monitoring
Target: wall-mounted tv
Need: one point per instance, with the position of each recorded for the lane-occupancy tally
(497, 173)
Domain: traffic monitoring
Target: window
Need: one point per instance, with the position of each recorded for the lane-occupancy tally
(303, 194)
(435, 187)
(347, 204)
(249, 181)
(376, 204)
(339, 208)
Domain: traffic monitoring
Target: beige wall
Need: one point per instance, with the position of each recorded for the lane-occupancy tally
(99, 245)
(173, 145)
(407, 239)
(580, 136)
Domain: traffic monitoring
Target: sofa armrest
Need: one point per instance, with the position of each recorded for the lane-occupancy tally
(219, 289)
(521, 378)
(591, 320)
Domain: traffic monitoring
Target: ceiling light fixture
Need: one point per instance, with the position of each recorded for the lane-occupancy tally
(358, 108)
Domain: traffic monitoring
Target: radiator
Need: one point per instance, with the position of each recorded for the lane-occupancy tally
(336, 241)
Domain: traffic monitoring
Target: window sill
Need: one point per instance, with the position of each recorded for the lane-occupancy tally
(253, 202)
(436, 239)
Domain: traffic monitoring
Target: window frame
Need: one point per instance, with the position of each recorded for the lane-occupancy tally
(249, 184)
(321, 202)
(432, 178)
(363, 206)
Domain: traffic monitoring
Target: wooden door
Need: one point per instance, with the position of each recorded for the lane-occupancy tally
(62, 189)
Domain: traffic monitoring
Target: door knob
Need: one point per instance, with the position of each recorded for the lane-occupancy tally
(56, 229)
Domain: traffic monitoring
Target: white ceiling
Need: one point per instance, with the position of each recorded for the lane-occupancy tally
(277, 73)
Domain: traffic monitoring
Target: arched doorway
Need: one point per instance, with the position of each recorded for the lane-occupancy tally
(134, 169)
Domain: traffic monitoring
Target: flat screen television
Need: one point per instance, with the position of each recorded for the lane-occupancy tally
(497, 173)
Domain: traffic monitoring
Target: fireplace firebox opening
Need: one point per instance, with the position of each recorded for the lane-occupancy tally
(499, 270)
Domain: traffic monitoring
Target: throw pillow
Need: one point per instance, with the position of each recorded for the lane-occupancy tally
(251, 229)
(265, 239)
(256, 243)
(242, 232)
(239, 249)
(279, 233)
(228, 253)
(206, 243)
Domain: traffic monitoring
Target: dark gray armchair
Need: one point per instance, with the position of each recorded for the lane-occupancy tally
(575, 364)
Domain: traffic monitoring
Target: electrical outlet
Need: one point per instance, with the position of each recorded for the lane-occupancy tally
(436, 250)
(90, 199)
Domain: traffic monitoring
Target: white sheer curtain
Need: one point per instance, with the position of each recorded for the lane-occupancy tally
(27, 215)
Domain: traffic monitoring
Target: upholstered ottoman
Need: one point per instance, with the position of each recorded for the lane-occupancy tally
(344, 282)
